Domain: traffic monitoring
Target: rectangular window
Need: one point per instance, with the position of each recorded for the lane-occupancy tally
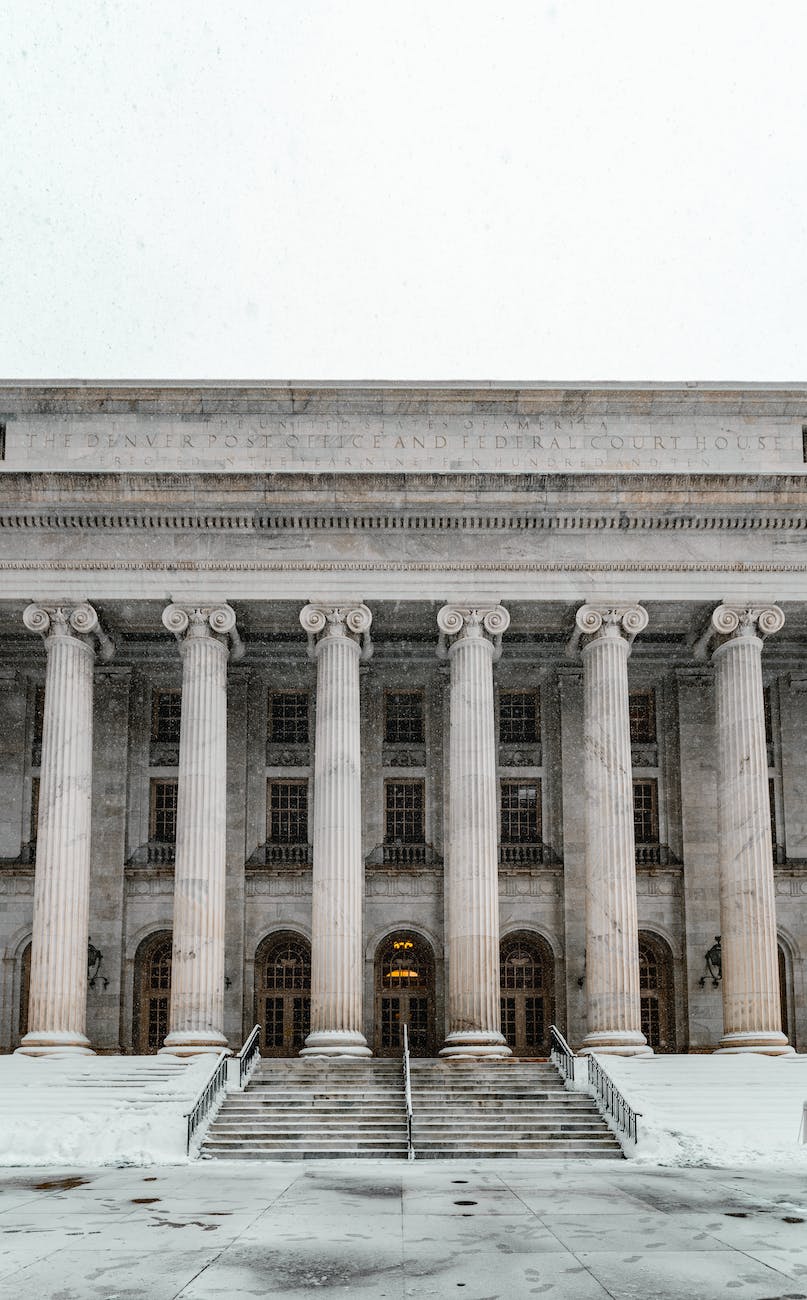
(520, 812)
(519, 718)
(288, 812)
(403, 813)
(39, 715)
(642, 707)
(288, 717)
(166, 711)
(645, 812)
(163, 827)
(772, 801)
(403, 717)
(766, 697)
(34, 807)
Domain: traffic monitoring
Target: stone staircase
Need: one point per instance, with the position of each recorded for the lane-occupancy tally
(511, 1108)
(318, 1109)
(303, 1109)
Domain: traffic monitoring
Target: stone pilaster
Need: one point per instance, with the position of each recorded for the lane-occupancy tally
(338, 640)
(470, 638)
(58, 998)
(613, 1012)
(197, 974)
(752, 1018)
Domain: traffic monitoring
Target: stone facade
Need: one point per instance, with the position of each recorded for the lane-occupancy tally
(300, 564)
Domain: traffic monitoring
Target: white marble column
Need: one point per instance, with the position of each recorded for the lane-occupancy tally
(613, 1009)
(752, 1020)
(197, 972)
(338, 640)
(470, 638)
(58, 997)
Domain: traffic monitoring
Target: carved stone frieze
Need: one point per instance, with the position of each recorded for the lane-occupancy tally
(522, 756)
(395, 756)
(529, 884)
(16, 883)
(659, 884)
(260, 884)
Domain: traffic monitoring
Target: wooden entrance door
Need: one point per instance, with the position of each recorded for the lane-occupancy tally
(527, 983)
(404, 996)
(283, 993)
(152, 993)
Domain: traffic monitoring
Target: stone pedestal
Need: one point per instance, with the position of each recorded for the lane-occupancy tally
(197, 972)
(58, 997)
(338, 639)
(613, 1011)
(470, 640)
(752, 1018)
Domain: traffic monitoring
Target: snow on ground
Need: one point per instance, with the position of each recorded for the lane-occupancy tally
(96, 1110)
(714, 1110)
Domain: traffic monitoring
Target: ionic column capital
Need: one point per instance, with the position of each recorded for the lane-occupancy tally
(606, 621)
(458, 623)
(351, 622)
(192, 622)
(736, 622)
(81, 622)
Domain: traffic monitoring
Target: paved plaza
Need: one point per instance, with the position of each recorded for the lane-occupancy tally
(383, 1229)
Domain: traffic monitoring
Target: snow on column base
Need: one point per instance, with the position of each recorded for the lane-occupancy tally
(181, 1043)
(336, 1042)
(764, 1042)
(54, 1043)
(485, 1044)
(617, 1042)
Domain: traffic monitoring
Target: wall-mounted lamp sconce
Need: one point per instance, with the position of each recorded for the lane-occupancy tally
(94, 959)
(581, 979)
(227, 982)
(714, 965)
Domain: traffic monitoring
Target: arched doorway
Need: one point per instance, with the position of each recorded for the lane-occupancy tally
(788, 1028)
(152, 993)
(404, 982)
(656, 992)
(527, 985)
(25, 989)
(283, 993)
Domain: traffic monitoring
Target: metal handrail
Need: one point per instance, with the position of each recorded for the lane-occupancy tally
(211, 1091)
(561, 1054)
(612, 1101)
(249, 1054)
(410, 1150)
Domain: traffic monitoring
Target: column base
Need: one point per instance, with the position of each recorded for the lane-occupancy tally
(43, 1042)
(617, 1042)
(765, 1043)
(475, 1044)
(182, 1043)
(336, 1042)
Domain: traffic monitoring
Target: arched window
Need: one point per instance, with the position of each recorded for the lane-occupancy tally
(25, 989)
(656, 992)
(404, 995)
(152, 993)
(527, 983)
(283, 993)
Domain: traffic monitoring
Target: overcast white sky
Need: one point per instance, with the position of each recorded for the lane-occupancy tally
(585, 189)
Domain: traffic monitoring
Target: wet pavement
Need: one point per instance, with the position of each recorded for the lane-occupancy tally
(495, 1230)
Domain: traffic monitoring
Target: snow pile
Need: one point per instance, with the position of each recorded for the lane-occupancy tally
(96, 1110)
(714, 1110)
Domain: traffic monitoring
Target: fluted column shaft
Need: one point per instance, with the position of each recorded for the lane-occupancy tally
(613, 1009)
(58, 992)
(752, 1018)
(197, 971)
(338, 640)
(472, 857)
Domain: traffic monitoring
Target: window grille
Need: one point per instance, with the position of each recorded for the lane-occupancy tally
(288, 717)
(645, 812)
(158, 993)
(403, 717)
(519, 717)
(163, 827)
(39, 716)
(520, 812)
(766, 698)
(166, 712)
(34, 807)
(642, 709)
(288, 812)
(404, 817)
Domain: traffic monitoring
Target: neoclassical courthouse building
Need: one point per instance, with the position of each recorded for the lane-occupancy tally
(334, 707)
